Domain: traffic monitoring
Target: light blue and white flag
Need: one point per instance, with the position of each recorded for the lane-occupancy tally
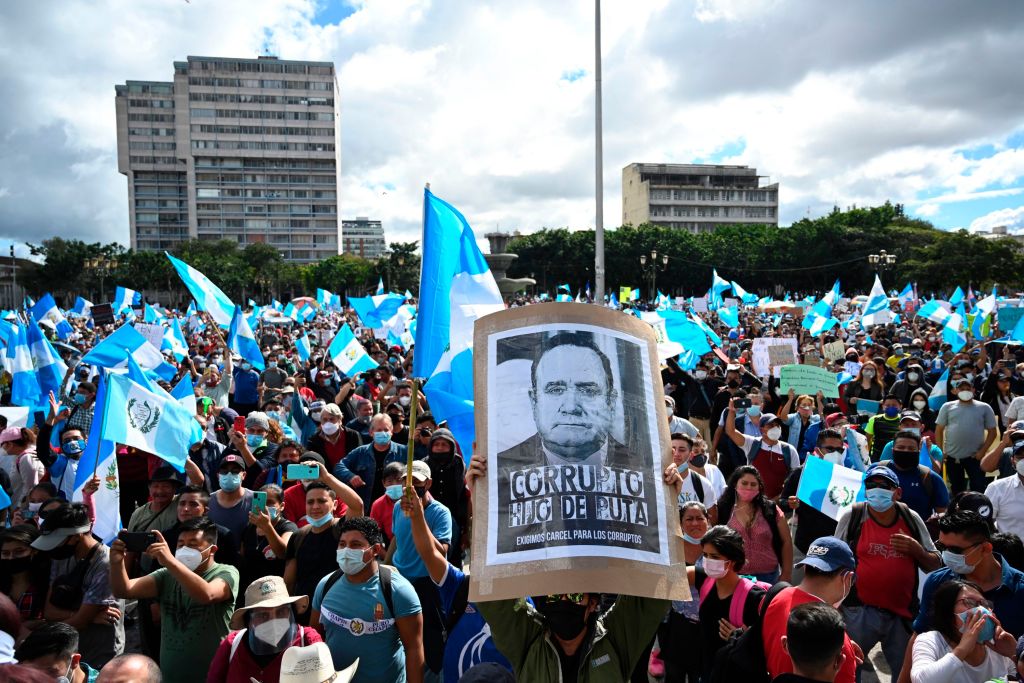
(567, 298)
(100, 456)
(82, 307)
(302, 349)
(829, 488)
(935, 311)
(347, 354)
(113, 352)
(184, 392)
(613, 301)
(876, 308)
(242, 341)
(380, 286)
(729, 316)
(456, 288)
(125, 299)
(953, 332)
(374, 311)
(718, 287)
(151, 421)
(151, 314)
(907, 294)
(983, 314)
(958, 297)
(939, 391)
(408, 295)
(174, 340)
(711, 334)
(46, 309)
(208, 296)
(50, 369)
(25, 389)
(743, 295)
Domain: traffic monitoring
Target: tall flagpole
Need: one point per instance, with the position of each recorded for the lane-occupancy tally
(599, 163)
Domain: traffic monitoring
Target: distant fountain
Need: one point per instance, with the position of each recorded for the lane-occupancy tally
(500, 261)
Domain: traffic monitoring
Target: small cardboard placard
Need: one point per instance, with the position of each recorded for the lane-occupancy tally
(771, 353)
(834, 351)
(102, 314)
(807, 379)
(569, 410)
(153, 333)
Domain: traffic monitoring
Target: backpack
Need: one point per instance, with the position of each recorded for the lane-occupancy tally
(739, 596)
(742, 657)
(858, 513)
(787, 450)
(383, 575)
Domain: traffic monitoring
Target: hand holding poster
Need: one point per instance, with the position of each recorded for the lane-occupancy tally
(570, 420)
(807, 379)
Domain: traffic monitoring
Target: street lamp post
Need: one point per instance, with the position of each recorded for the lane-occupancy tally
(882, 261)
(103, 267)
(650, 271)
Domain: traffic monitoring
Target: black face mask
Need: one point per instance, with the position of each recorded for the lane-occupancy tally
(733, 383)
(62, 552)
(420, 490)
(442, 458)
(15, 565)
(566, 619)
(905, 460)
(699, 460)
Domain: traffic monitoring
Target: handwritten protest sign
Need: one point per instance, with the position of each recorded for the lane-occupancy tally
(700, 304)
(762, 356)
(572, 505)
(154, 334)
(807, 379)
(834, 351)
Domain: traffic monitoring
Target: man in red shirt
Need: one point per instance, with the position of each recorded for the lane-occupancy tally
(828, 578)
(890, 542)
(773, 457)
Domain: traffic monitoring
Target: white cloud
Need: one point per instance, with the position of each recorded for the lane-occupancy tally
(1013, 219)
(853, 103)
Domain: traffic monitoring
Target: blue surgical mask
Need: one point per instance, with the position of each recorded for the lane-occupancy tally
(915, 430)
(254, 440)
(246, 366)
(381, 438)
(272, 364)
(879, 499)
(892, 411)
(683, 467)
(351, 560)
(690, 539)
(754, 411)
(394, 492)
(321, 521)
(988, 631)
(230, 481)
(272, 512)
(80, 399)
(957, 563)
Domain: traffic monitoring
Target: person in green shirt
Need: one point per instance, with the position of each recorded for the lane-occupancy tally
(882, 428)
(196, 596)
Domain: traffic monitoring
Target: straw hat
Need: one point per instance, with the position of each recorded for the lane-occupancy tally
(269, 591)
(313, 664)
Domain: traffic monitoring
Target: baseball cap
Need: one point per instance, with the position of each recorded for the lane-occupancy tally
(420, 470)
(883, 472)
(910, 415)
(59, 525)
(832, 419)
(829, 554)
(231, 459)
(768, 418)
(975, 502)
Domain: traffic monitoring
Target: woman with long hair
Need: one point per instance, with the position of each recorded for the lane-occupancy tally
(867, 384)
(744, 508)
(24, 571)
(968, 643)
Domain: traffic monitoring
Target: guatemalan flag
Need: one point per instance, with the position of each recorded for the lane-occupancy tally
(100, 456)
(939, 391)
(125, 299)
(46, 309)
(456, 288)
(242, 341)
(876, 308)
(375, 311)
(113, 352)
(50, 369)
(380, 286)
(302, 347)
(174, 340)
(24, 380)
(208, 296)
(347, 354)
(829, 488)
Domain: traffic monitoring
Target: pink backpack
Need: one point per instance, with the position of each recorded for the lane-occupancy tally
(739, 597)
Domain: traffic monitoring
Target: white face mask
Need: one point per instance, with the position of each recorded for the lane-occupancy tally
(1020, 468)
(700, 374)
(913, 376)
(714, 568)
(920, 405)
(272, 631)
(404, 400)
(190, 557)
(965, 395)
(774, 433)
(330, 428)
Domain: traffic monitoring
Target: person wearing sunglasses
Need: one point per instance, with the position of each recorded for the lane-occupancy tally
(890, 543)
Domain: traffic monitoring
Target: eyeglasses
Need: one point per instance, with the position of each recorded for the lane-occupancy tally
(942, 547)
(971, 603)
(575, 598)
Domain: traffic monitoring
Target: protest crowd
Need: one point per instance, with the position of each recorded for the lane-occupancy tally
(224, 495)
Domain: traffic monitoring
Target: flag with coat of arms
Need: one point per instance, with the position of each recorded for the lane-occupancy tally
(829, 488)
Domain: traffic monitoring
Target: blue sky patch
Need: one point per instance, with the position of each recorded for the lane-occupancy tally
(330, 12)
(574, 75)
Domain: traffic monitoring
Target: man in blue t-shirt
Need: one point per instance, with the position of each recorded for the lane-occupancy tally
(369, 612)
(403, 553)
(245, 395)
(469, 637)
(923, 490)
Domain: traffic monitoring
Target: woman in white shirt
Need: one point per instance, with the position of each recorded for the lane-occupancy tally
(968, 643)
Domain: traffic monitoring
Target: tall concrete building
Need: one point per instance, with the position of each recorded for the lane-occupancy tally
(239, 149)
(697, 197)
(363, 237)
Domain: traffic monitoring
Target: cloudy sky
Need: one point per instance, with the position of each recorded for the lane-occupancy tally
(491, 101)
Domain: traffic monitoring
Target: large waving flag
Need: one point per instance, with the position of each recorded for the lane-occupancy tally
(876, 308)
(82, 307)
(742, 294)
(680, 329)
(907, 294)
(380, 286)
(953, 331)
(958, 297)
(100, 456)
(829, 488)
(711, 334)
(184, 392)
(208, 296)
(935, 311)
(174, 340)
(347, 354)
(152, 421)
(718, 287)
(729, 316)
(302, 349)
(939, 391)
(113, 353)
(981, 321)
(125, 299)
(456, 288)
(46, 309)
(25, 389)
(374, 311)
(242, 341)
(50, 369)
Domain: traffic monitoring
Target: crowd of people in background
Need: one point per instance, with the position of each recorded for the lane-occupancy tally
(296, 546)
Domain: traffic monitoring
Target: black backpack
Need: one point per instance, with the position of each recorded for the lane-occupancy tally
(742, 657)
(383, 575)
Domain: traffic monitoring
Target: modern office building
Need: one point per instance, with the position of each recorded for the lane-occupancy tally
(239, 149)
(697, 197)
(363, 237)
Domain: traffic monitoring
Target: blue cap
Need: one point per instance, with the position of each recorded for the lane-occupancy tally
(829, 554)
(768, 418)
(884, 472)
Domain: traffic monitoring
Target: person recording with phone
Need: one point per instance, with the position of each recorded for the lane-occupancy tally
(265, 540)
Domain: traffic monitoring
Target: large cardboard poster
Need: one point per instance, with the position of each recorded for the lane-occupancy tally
(567, 412)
